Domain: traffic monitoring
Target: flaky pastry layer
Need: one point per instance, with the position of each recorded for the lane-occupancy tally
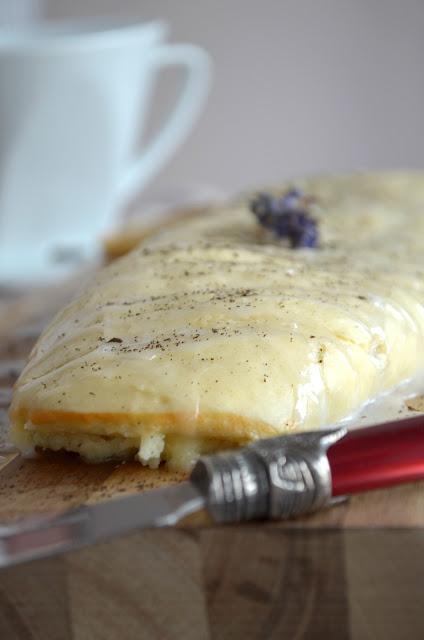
(211, 330)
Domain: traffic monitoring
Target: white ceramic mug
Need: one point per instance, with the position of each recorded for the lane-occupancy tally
(73, 100)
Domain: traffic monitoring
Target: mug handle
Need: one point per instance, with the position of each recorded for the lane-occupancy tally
(186, 111)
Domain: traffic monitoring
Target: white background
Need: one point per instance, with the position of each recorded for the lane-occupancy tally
(300, 86)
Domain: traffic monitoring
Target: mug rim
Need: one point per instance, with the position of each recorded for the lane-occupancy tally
(68, 34)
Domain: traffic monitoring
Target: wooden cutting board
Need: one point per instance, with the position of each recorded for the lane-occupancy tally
(354, 571)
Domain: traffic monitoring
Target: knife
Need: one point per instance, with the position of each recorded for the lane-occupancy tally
(276, 478)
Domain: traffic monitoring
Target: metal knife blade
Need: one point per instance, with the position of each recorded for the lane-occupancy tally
(57, 533)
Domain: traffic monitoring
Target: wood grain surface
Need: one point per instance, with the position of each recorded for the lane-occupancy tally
(351, 572)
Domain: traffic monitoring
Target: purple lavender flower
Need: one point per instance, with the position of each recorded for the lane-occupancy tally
(286, 217)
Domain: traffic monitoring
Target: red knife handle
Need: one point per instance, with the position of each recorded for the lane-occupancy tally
(290, 475)
(378, 456)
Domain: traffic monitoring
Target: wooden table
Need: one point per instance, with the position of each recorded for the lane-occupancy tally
(355, 572)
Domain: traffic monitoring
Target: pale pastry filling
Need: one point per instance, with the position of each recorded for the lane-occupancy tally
(210, 334)
(151, 448)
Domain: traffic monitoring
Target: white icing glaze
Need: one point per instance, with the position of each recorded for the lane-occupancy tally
(387, 406)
